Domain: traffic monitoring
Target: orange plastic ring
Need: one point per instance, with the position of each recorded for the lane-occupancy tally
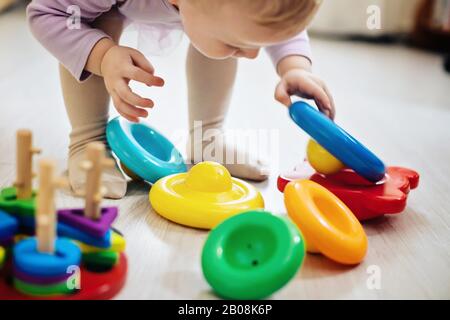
(326, 222)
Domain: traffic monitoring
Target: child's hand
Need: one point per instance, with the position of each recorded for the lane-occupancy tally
(119, 66)
(306, 85)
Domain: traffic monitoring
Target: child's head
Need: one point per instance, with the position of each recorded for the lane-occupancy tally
(224, 28)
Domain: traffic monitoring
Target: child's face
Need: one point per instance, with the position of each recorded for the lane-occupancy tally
(224, 33)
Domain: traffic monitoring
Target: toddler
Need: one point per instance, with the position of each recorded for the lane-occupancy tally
(95, 68)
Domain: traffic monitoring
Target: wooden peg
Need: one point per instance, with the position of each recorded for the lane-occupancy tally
(45, 209)
(24, 164)
(95, 162)
(108, 163)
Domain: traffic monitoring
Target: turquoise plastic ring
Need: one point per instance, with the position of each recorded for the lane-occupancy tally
(29, 260)
(337, 141)
(252, 255)
(143, 150)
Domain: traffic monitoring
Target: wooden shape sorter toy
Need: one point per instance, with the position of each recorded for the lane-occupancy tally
(19, 199)
(44, 256)
(80, 258)
(92, 219)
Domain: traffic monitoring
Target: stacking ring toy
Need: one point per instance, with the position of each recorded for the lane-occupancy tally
(367, 200)
(94, 285)
(321, 160)
(118, 244)
(42, 290)
(129, 173)
(336, 141)
(326, 222)
(8, 226)
(203, 197)
(252, 255)
(143, 150)
(2, 256)
(30, 279)
(17, 207)
(29, 260)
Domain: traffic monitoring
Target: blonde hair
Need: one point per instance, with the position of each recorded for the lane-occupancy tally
(288, 16)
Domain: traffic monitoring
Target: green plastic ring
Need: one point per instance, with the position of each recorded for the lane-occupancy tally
(100, 261)
(42, 290)
(252, 255)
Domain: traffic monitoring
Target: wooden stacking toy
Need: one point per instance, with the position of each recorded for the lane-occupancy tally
(92, 219)
(41, 263)
(91, 225)
(81, 257)
(20, 198)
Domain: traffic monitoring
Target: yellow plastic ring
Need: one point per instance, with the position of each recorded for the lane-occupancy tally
(326, 222)
(2, 256)
(203, 197)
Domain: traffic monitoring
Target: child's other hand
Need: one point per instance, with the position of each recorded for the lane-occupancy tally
(119, 66)
(306, 85)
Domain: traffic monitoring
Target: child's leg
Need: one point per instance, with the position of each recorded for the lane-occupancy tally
(87, 106)
(210, 84)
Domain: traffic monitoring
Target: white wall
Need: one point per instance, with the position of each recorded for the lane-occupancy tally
(350, 17)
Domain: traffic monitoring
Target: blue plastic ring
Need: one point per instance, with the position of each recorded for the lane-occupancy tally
(8, 226)
(143, 150)
(29, 260)
(336, 141)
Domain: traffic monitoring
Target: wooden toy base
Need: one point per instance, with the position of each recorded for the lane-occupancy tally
(94, 286)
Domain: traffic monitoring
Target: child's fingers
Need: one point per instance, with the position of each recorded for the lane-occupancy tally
(127, 110)
(281, 94)
(157, 81)
(125, 93)
(117, 103)
(140, 75)
(141, 61)
(129, 118)
(332, 107)
(316, 92)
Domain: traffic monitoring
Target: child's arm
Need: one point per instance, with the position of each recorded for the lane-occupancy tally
(50, 22)
(293, 63)
(83, 50)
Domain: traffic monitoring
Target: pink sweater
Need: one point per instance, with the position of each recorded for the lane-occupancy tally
(48, 21)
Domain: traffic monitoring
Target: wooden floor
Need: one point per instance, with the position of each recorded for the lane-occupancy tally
(396, 100)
